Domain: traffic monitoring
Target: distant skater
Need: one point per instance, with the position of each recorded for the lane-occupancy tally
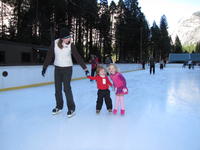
(184, 64)
(190, 64)
(61, 50)
(108, 60)
(103, 84)
(161, 65)
(152, 65)
(165, 62)
(143, 64)
(94, 62)
(120, 87)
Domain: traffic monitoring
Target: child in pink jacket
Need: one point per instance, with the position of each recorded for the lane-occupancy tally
(119, 84)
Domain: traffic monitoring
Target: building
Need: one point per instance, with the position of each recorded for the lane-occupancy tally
(13, 53)
(183, 57)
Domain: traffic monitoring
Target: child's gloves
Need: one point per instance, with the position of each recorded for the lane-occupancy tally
(125, 90)
(87, 73)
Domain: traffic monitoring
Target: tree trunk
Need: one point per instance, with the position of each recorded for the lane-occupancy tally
(19, 2)
(87, 43)
(2, 18)
(90, 44)
(76, 38)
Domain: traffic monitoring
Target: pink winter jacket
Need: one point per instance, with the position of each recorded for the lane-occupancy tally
(118, 80)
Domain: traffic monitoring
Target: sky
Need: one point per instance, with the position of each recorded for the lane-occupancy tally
(174, 10)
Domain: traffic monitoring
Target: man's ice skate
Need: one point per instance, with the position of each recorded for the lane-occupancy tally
(70, 113)
(56, 111)
(97, 111)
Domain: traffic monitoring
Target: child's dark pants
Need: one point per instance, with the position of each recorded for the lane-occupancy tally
(104, 94)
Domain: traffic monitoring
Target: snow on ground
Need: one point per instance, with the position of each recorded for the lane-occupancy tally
(162, 113)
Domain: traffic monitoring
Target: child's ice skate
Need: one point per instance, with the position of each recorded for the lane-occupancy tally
(109, 110)
(115, 111)
(122, 112)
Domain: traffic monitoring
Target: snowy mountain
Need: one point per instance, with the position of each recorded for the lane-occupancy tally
(188, 29)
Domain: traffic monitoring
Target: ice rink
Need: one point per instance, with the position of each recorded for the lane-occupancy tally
(162, 113)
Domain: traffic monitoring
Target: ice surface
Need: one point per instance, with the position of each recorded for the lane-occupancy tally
(162, 113)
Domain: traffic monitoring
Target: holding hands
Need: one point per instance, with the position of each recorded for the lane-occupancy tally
(114, 89)
(87, 73)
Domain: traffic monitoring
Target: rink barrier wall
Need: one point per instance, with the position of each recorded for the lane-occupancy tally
(20, 77)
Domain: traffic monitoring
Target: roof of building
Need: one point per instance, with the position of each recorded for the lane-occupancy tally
(182, 57)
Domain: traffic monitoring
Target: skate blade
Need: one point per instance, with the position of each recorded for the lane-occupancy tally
(73, 114)
(55, 113)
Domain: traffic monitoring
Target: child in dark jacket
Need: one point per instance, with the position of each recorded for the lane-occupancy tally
(103, 84)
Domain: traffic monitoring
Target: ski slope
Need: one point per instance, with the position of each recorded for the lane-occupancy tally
(162, 113)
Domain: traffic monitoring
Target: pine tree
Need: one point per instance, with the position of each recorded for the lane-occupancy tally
(144, 38)
(90, 23)
(20, 8)
(104, 28)
(113, 11)
(155, 41)
(132, 31)
(165, 45)
(178, 45)
(197, 49)
(96, 27)
(120, 30)
(3, 14)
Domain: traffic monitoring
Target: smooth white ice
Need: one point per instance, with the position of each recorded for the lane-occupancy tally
(162, 113)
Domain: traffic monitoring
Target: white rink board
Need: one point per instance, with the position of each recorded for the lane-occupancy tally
(28, 75)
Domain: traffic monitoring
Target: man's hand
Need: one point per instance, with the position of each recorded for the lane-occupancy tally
(43, 72)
